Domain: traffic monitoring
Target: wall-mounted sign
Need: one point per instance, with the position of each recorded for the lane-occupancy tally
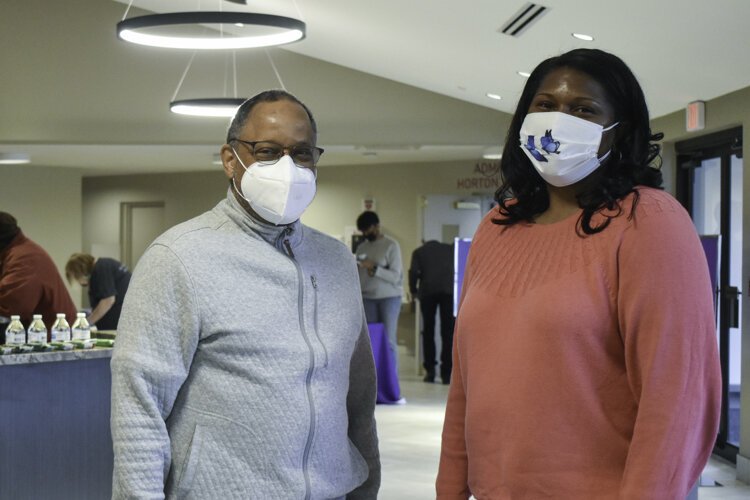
(484, 177)
(368, 204)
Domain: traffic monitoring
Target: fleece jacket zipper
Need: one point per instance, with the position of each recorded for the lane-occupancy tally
(311, 368)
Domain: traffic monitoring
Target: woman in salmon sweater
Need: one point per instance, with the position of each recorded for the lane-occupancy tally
(585, 357)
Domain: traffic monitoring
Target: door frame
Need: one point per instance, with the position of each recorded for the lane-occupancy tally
(126, 228)
(690, 154)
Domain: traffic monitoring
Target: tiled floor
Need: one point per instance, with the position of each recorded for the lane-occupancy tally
(410, 445)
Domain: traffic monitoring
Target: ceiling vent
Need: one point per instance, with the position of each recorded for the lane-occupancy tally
(523, 19)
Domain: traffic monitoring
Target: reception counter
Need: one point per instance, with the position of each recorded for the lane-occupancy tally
(55, 440)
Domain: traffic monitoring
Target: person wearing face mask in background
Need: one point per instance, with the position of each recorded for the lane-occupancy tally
(243, 366)
(585, 357)
(381, 277)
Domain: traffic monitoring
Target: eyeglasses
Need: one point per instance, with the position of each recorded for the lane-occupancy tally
(268, 153)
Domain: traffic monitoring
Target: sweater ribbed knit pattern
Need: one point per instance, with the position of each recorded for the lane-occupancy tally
(585, 367)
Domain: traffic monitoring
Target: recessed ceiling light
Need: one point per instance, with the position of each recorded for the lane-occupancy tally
(494, 96)
(581, 36)
(14, 158)
(524, 74)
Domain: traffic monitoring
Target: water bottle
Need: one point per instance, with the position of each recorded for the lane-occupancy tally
(81, 329)
(37, 332)
(15, 334)
(60, 330)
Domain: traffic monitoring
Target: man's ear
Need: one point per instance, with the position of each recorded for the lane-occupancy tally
(228, 160)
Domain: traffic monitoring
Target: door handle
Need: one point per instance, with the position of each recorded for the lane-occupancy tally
(732, 294)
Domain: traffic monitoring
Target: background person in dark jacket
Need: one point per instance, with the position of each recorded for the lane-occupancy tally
(107, 281)
(431, 281)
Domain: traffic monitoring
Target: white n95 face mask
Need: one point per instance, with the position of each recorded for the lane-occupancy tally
(279, 192)
(563, 148)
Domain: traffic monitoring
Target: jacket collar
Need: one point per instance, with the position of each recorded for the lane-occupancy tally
(271, 233)
(17, 240)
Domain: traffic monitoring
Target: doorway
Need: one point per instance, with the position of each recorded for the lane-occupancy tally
(446, 218)
(140, 224)
(709, 185)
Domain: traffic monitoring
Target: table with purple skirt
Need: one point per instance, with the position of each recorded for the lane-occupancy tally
(389, 391)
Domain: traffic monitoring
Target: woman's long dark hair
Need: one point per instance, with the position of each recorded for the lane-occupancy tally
(628, 165)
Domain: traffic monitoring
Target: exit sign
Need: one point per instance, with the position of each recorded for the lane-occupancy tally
(695, 116)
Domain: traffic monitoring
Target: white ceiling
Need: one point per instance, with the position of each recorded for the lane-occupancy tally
(389, 81)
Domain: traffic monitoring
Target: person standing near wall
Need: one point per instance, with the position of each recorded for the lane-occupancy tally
(586, 361)
(29, 280)
(381, 277)
(243, 367)
(431, 281)
(107, 280)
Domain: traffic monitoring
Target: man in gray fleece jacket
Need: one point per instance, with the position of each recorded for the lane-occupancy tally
(242, 367)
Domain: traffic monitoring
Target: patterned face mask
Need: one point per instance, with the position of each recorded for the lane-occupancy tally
(562, 147)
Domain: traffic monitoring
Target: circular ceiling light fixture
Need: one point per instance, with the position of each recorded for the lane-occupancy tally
(211, 30)
(219, 106)
(497, 97)
(524, 74)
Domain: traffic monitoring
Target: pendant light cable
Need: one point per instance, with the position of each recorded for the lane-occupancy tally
(234, 65)
(278, 76)
(127, 10)
(184, 74)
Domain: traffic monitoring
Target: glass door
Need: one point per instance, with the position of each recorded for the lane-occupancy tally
(709, 185)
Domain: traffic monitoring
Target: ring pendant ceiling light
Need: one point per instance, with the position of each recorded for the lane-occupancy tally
(223, 30)
(214, 106)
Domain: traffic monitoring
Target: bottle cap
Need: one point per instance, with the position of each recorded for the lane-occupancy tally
(60, 315)
(15, 317)
(80, 315)
(36, 316)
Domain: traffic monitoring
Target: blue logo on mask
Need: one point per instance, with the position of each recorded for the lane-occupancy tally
(548, 145)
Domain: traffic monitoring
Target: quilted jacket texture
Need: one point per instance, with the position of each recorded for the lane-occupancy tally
(241, 371)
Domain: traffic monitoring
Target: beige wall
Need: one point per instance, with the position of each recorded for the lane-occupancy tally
(184, 196)
(722, 113)
(47, 204)
(397, 190)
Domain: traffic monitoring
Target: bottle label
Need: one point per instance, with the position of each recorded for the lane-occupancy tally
(37, 336)
(60, 335)
(81, 334)
(15, 337)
